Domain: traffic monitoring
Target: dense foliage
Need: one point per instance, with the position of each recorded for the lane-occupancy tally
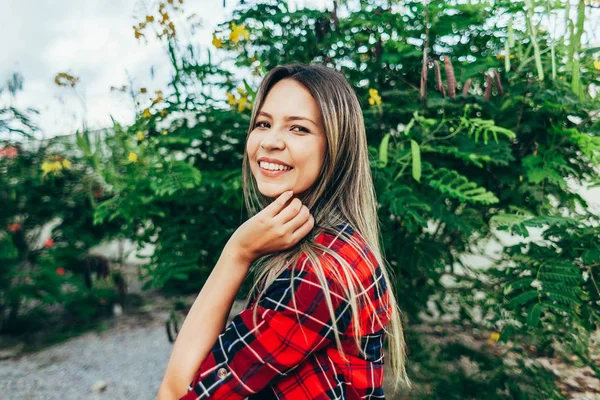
(41, 190)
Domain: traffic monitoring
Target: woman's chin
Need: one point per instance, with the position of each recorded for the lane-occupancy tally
(272, 190)
(272, 193)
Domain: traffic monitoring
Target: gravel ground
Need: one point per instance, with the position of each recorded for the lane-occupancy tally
(130, 360)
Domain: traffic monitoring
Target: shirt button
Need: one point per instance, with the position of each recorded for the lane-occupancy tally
(222, 373)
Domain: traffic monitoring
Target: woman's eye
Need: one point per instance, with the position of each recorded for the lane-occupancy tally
(303, 129)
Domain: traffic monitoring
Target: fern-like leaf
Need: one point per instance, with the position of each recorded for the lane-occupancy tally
(452, 183)
(179, 175)
(518, 224)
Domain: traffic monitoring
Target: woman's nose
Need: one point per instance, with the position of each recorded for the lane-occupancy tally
(273, 139)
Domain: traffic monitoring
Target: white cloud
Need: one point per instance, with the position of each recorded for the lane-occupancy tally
(94, 41)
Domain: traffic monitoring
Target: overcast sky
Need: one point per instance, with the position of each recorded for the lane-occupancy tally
(93, 40)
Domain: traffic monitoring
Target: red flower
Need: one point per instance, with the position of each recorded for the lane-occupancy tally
(49, 243)
(9, 152)
(60, 271)
(14, 227)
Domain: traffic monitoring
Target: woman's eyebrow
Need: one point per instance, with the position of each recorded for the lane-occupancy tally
(289, 118)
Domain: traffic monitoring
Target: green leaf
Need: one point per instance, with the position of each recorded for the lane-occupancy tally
(534, 314)
(519, 283)
(179, 176)
(506, 333)
(458, 186)
(524, 298)
(383, 151)
(416, 160)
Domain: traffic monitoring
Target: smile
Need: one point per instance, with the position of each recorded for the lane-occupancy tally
(270, 172)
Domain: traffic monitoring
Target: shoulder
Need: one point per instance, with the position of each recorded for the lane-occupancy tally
(344, 243)
(363, 270)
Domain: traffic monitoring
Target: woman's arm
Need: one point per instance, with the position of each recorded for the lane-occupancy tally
(204, 322)
(278, 226)
(250, 355)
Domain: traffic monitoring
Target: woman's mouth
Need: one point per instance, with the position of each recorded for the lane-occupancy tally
(273, 172)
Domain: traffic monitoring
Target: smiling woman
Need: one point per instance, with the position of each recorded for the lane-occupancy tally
(288, 132)
(321, 303)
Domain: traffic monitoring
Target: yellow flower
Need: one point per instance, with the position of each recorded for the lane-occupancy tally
(494, 337)
(140, 135)
(216, 41)
(164, 132)
(66, 164)
(66, 80)
(149, 18)
(597, 65)
(146, 113)
(237, 31)
(241, 91)
(133, 157)
(163, 113)
(231, 99)
(138, 34)
(242, 104)
(257, 71)
(374, 97)
(158, 99)
(51, 166)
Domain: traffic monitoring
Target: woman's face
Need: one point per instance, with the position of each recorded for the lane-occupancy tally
(290, 128)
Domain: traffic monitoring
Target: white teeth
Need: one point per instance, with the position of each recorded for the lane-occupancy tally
(273, 167)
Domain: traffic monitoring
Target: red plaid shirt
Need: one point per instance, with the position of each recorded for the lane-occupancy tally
(292, 351)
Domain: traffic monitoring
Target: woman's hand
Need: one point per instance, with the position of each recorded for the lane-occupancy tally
(277, 227)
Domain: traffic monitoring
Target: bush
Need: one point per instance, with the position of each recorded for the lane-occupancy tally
(474, 126)
(42, 185)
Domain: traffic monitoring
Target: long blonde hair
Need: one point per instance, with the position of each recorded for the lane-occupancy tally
(343, 193)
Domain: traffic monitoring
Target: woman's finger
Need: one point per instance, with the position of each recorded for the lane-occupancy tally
(304, 229)
(279, 204)
(298, 220)
(288, 212)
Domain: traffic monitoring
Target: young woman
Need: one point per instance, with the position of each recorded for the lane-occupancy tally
(322, 303)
